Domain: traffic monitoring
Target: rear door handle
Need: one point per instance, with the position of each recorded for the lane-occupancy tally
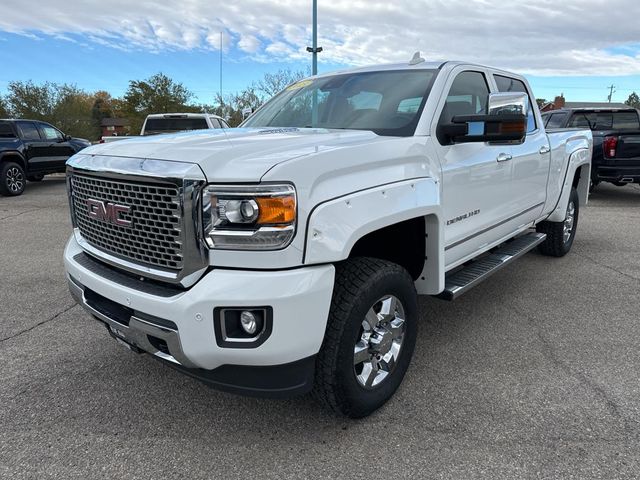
(504, 157)
(544, 150)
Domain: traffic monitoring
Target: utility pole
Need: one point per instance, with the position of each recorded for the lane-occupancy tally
(221, 67)
(611, 91)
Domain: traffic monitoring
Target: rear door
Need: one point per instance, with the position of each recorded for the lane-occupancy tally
(531, 159)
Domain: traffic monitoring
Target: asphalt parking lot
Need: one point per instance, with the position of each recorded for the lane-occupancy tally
(534, 374)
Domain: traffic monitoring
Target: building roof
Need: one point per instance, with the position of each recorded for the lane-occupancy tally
(594, 105)
(114, 122)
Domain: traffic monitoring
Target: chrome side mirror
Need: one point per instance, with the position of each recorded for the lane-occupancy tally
(514, 103)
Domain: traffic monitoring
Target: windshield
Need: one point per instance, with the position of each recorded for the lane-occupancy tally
(387, 102)
(165, 125)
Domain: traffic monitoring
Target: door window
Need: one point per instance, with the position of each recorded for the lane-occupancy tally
(50, 133)
(507, 84)
(468, 95)
(28, 131)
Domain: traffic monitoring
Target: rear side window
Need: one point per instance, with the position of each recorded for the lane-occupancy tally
(164, 125)
(6, 131)
(556, 120)
(506, 84)
(28, 130)
(214, 122)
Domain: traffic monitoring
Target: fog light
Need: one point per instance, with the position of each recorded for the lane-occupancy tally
(248, 322)
(242, 327)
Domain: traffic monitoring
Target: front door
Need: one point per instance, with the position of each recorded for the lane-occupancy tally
(477, 189)
(58, 148)
(35, 148)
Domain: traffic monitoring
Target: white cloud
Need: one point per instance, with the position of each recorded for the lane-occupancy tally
(249, 43)
(547, 37)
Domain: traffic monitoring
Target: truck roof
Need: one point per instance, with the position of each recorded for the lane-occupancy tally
(182, 115)
(424, 65)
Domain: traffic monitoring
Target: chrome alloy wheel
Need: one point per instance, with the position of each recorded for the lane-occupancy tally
(377, 349)
(569, 221)
(15, 180)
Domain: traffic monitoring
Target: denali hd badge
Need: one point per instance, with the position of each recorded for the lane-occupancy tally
(108, 212)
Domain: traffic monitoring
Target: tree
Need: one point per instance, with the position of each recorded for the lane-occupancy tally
(28, 100)
(101, 109)
(273, 83)
(232, 105)
(157, 94)
(63, 105)
(72, 111)
(633, 100)
(4, 109)
(541, 102)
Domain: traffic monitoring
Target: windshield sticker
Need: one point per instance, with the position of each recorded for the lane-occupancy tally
(299, 85)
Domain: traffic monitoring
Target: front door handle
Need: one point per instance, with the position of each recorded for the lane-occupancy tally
(504, 157)
(544, 150)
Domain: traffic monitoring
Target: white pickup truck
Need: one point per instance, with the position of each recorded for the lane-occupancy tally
(287, 256)
(158, 123)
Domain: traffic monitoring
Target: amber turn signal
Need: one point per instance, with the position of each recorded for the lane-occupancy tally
(276, 210)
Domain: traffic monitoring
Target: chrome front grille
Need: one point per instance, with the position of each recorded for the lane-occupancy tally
(154, 235)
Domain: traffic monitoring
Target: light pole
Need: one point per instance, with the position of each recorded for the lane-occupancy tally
(314, 50)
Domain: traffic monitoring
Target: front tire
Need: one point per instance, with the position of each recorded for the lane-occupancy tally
(560, 235)
(370, 337)
(12, 179)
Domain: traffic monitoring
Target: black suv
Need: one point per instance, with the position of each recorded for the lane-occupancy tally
(29, 150)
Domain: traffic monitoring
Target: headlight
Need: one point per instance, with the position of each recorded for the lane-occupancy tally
(249, 217)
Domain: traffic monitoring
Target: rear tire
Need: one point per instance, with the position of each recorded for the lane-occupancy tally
(370, 337)
(12, 179)
(560, 235)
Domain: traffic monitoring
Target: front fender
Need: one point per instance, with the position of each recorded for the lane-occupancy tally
(336, 225)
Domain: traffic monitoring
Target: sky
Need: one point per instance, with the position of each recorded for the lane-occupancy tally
(575, 47)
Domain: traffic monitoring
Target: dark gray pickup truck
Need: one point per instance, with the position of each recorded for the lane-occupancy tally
(616, 140)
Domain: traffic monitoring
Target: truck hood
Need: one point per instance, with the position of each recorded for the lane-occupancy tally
(234, 155)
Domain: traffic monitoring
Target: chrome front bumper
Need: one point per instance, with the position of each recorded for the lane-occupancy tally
(137, 333)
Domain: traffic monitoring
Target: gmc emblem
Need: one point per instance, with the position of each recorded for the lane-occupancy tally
(108, 212)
